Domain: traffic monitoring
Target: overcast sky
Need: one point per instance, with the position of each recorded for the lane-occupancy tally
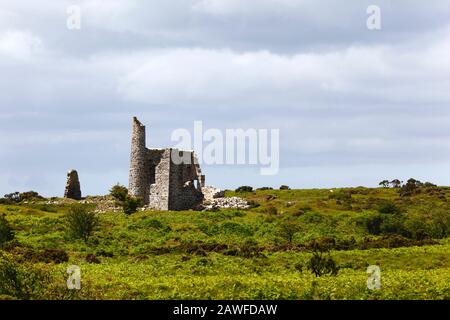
(354, 106)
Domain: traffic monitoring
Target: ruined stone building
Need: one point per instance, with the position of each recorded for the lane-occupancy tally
(158, 177)
(73, 190)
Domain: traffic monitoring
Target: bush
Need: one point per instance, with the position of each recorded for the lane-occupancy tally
(81, 222)
(17, 281)
(54, 255)
(253, 204)
(388, 207)
(273, 211)
(92, 258)
(6, 232)
(244, 189)
(119, 192)
(284, 187)
(29, 195)
(264, 188)
(288, 229)
(377, 224)
(320, 265)
(130, 205)
(17, 197)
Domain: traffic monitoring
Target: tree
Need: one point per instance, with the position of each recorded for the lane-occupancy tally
(119, 192)
(320, 265)
(411, 187)
(81, 222)
(285, 187)
(288, 229)
(244, 189)
(396, 183)
(384, 183)
(130, 205)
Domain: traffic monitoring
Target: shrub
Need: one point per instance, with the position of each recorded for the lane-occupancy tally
(18, 281)
(284, 187)
(29, 195)
(54, 255)
(320, 265)
(288, 229)
(92, 258)
(119, 192)
(130, 205)
(273, 211)
(244, 189)
(264, 188)
(17, 197)
(6, 232)
(81, 222)
(388, 207)
(377, 224)
(12, 197)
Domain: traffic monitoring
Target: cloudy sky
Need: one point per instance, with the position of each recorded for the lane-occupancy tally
(354, 106)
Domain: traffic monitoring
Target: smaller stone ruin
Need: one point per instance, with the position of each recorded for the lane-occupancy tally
(73, 190)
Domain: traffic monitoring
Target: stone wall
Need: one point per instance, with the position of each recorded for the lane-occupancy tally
(160, 182)
(139, 180)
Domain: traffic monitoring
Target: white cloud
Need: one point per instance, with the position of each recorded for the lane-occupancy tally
(18, 44)
(201, 77)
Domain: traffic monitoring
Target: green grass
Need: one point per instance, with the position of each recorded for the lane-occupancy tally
(202, 255)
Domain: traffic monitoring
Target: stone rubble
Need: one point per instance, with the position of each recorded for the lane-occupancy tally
(224, 203)
(210, 193)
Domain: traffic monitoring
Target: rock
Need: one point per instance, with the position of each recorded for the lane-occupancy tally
(210, 193)
(226, 203)
(73, 190)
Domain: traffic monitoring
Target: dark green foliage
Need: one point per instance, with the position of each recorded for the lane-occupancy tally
(320, 265)
(17, 197)
(29, 195)
(413, 187)
(388, 207)
(396, 183)
(19, 282)
(81, 222)
(6, 232)
(288, 229)
(384, 183)
(11, 198)
(244, 189)
(119, 192)
(130, 205)
(377, 224)
(55, 256)
(284, 187)
(264, 188)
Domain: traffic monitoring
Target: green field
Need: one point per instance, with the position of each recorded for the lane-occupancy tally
(258, 253)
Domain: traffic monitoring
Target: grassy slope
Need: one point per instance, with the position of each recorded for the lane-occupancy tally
(138, 269)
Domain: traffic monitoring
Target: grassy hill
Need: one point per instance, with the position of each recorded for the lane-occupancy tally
(258, 253)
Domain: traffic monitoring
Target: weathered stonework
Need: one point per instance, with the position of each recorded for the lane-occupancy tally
(159, 179)
(73, 190)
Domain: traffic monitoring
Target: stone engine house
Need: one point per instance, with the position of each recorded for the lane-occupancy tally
(158, 177)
